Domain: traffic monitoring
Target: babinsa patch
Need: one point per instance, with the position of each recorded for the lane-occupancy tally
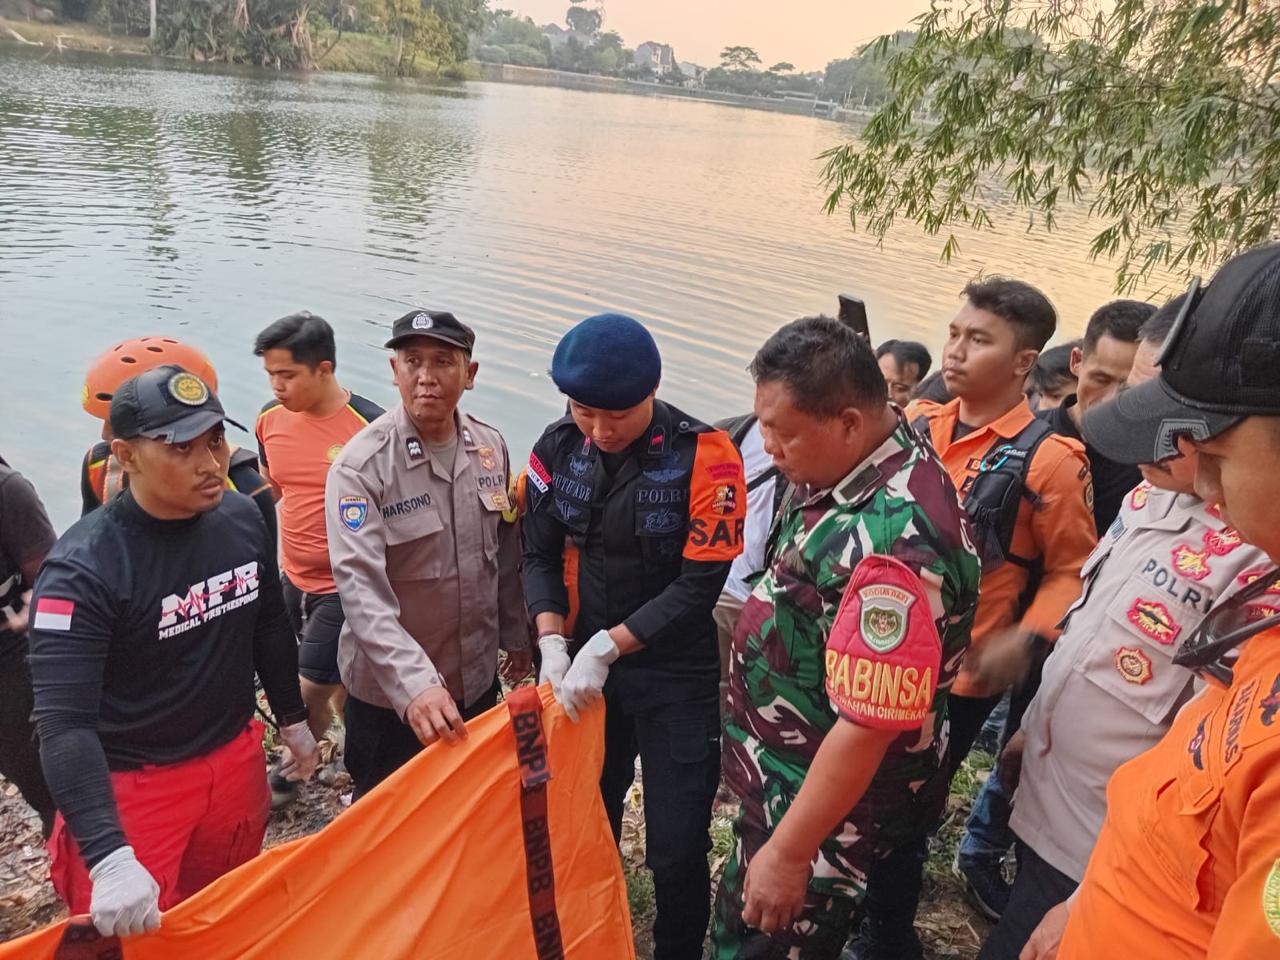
(884, 616)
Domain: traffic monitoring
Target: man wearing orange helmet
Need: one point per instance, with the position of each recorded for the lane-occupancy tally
(101, 476)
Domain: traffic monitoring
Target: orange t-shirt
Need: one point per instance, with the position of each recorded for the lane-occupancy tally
(296, 450)
(1059, 528)
(1188, 861)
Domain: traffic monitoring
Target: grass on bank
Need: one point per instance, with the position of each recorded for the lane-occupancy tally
(349, 53)
(71, 36)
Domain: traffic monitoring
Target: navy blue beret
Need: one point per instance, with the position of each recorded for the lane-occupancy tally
(609, 361)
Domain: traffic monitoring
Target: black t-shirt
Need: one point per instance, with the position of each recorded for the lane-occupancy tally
(145, 636)
(25, 537)
(1111, 480)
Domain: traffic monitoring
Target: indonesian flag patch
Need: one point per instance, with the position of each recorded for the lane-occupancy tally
(53, 614)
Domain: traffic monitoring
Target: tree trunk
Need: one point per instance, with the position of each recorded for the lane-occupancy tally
(153, 20)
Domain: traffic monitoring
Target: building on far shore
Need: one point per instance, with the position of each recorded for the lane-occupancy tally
(658, 57)
(559, 36)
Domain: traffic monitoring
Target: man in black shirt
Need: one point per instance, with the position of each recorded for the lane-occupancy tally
(1101, 363)
(25, 538)
(655, 504)
(149, 619)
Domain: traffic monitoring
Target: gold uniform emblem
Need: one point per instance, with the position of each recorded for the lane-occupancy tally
(188, 388)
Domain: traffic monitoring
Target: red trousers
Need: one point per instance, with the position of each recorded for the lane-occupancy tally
(188, 823)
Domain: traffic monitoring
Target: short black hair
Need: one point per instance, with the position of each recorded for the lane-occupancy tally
(933, 387)
(1155, 329)
(1119, 319)
(307, 337)
(1029, 311)
(1053, 367)
(825, 364)
(907, 351)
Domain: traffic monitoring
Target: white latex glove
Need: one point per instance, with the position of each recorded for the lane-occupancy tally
(300, 752)
(583, 685)
(126, 898)
(555, 661)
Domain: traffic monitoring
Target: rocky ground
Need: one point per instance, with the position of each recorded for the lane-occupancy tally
(949, 927)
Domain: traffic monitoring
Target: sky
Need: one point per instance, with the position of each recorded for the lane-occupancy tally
(807, 33)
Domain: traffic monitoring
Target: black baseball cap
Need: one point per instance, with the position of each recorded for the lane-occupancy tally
(165, 403)
(436, 324)
(1219, 365)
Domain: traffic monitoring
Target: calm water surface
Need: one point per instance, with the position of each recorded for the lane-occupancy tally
(138, 199)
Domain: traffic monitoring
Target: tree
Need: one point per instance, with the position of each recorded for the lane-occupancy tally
(1164, 115)
(584, 20)
(460, 19)
(418, 32)
(611, 39)
(738, 58)
(782, 67)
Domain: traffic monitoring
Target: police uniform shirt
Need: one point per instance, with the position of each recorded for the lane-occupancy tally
(1110, 690)
(427, 567)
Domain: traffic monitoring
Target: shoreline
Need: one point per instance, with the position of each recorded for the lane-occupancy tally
(365, 54)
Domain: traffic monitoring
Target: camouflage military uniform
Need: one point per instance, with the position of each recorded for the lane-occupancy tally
(898, 503)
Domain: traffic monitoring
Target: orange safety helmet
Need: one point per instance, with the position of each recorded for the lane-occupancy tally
(131, 357)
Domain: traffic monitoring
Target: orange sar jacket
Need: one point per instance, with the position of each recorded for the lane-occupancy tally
(1188, 862)
(1056, 526)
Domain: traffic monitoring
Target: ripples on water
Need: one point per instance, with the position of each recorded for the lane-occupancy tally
(141, 200)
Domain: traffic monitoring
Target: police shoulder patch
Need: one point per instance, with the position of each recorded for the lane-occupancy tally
(353, 511)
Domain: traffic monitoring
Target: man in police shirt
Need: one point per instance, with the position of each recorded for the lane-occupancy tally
(655, 502)
(427, 567)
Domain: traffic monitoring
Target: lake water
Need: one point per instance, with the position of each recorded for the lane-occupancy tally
(138, 198)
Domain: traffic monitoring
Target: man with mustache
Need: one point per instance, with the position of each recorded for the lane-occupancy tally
(426, 558)
(149, 619)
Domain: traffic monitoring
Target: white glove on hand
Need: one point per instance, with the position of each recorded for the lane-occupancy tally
(126, 899)
(300, 752)
(555, 661)
(583, 685)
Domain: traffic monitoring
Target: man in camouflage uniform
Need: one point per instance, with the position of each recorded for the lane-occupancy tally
(844, 651)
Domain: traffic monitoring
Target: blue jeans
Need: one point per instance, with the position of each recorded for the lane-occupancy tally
(986, 833)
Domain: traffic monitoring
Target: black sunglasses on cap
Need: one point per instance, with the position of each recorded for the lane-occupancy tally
(1229, 625)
